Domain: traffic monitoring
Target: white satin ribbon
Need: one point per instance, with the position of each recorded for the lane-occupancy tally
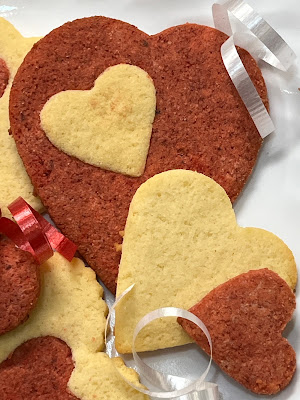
(246, 89)
(109, 338)
(265, 43)
(172, 386)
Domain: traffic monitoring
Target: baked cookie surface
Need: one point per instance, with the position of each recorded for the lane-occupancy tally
(70, 308)
(181, 241)
(246, 317)
(38, 369)
(201, 123)
(14, 181)
(4, 77)
(108, 126)
(19, 285)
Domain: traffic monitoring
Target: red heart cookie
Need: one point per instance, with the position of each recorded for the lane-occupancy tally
(19, 285)
(4, 77)
(38, 369)
(246, 317)
(201, 123)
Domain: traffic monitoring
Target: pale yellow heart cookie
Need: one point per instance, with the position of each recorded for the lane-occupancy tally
(14, 181)
(70, 307)
(181, 241)
(108, 126)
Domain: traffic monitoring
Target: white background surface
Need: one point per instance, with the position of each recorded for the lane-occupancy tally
(271, 199)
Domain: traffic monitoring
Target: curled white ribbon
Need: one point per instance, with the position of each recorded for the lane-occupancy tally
(267, 45)
(246, 88)
(109, 339)
(172, 386)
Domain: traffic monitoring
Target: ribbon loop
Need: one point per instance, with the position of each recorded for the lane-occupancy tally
(31, 229)
(34, 234)
(172, 386)
(274, 50)
(265, 43)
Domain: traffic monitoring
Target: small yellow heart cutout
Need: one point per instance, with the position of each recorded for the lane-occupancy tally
(108, 126)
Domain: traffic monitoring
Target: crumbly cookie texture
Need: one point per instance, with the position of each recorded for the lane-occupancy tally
(14, 180)
(201, 123)
(19, 285)
(108, 126)
(181, 241)
(71, 308)
(38, 369)
(245, 318)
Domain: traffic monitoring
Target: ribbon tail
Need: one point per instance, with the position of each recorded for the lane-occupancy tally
(246, 88)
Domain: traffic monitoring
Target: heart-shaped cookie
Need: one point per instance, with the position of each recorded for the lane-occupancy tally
(19, 285)
(108, 126)
(201, 123)
(38, 369)
(70, 307)
(44, 365)
(181, 241)
(245, 318)
(14, 180)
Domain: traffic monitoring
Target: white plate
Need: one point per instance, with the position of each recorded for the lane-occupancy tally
(271, 199)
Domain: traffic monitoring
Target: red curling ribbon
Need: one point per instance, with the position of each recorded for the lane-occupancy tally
(14, 233)
(34, 234)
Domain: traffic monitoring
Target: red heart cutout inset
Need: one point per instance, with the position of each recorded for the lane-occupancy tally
(246, 317)
(38, 369)
(19, 285)
(201, 123)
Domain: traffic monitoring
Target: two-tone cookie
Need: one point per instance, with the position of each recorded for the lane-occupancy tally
(200, 124)
(245, 317)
